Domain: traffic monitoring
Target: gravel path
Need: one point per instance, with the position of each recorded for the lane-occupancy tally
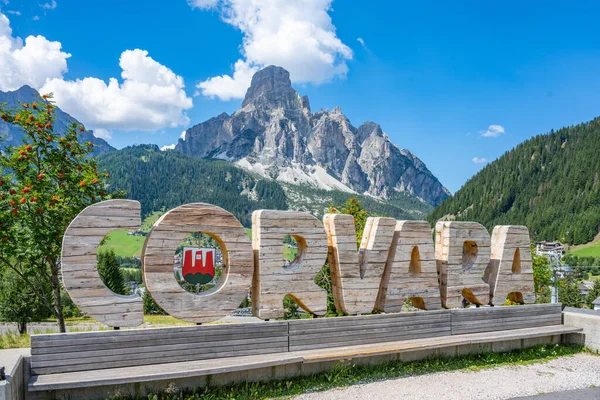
(568, 373)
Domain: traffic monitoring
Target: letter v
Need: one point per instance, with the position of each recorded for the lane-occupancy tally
(356, 275)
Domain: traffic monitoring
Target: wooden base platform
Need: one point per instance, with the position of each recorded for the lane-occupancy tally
(102, 364)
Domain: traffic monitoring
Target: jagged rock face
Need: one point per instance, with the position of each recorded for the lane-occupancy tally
(14, 134)
(275, 134)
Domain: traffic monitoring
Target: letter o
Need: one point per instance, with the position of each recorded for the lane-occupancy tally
(159, 249)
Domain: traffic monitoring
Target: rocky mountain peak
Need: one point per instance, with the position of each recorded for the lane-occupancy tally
(276, 135)
(270, 86)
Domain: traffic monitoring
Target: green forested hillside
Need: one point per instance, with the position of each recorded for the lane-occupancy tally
(549, 183)
(163, 180)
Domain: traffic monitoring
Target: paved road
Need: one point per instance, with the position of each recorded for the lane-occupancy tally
(567, 378)
(583, 394)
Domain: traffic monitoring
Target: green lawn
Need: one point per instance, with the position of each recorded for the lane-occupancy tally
(123, 244)
(126, 245)
(587, 250)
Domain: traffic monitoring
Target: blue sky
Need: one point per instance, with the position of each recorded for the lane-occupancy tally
(436, 75)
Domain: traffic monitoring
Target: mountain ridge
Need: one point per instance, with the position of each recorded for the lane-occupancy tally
(13, 135)
(275, 134)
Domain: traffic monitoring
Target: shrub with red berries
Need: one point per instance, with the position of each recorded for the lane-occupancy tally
(44, 184)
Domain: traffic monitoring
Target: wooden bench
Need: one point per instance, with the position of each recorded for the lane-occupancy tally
(92, 359)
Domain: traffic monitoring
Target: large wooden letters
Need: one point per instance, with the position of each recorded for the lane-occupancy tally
(463, 254)
(411, 271)
(272, 282)
(159, 249)
(79, 268)
(395, 261)
(511, 270)
(356, 275)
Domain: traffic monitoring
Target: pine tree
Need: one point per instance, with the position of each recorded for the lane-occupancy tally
(110, 272)
(568, 293)
(593, 294)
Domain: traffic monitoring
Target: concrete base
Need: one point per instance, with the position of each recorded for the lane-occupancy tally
(589, 320)
(279, 372)
(13, 387)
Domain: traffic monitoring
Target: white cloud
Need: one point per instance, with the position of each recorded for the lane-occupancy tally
(493, 131)
(362, 42)
(150, 96)
(13, 12)
(51, 5)
(478, 160)
(102, 133)
(182, 136)
(36, 18)
(226, 87)
(295, 34)
(30, 62)
(169, 147)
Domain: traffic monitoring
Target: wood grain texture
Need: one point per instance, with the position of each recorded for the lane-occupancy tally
(159, 249)
(88, 351)
(358, 330)
(80, 270)
(411, 270)
(462, 252)
(157, 372)
(491, 319)
(356, 275)
(511, 268)
(272, 282)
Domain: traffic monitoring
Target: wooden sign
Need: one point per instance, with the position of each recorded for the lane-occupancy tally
(395, 262)
(411, 270)
(80, 270)
(462, 254)
(238, 265)
(272, 281)
(356, 275)
(511, 269)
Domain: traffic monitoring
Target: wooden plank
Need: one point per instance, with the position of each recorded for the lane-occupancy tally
(149, 373)
(168, 359)
(360, 319)
(116, 343)
(301, 330)
(346, 352)
(158, 350)
(79, 259)
(136, 334)
(373, 341)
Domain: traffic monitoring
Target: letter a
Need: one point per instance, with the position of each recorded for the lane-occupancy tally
(511, 270)
(462, 252)
(411, 271)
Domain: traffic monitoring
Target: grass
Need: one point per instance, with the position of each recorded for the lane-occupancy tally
(165, 320)
(126, 245)
(150, 220)
(348, 374)
(591, 249)
(123, 244)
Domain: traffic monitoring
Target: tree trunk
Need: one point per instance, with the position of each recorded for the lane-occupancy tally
(58, 309)
(22, 326)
